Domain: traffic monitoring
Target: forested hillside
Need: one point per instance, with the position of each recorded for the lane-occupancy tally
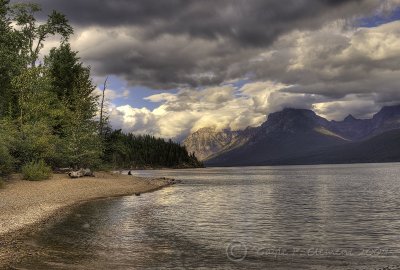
(48, 111)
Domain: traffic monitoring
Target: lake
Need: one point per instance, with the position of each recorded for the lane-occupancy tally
(287, 217)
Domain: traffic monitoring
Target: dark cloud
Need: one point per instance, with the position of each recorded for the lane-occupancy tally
(336, 64)
(253, 23)
(166, 44)
(171, 43)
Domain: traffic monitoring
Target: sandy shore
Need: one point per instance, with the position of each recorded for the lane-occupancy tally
(24, 204)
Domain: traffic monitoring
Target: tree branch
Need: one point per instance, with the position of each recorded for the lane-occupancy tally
(102, 106)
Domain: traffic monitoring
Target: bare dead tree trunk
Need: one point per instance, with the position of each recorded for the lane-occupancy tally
(102, 107)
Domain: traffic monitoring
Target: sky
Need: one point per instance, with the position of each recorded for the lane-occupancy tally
(176, 66)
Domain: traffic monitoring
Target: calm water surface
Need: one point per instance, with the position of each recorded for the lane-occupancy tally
(292, 217)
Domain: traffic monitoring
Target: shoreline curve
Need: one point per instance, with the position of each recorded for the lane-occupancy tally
(28, 207)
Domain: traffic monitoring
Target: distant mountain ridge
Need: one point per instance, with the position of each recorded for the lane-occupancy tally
(388, 118)
(297, 136)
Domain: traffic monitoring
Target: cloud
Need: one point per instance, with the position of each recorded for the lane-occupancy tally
(172, 43)
(166, 62)
(333, 70)
(357, 106)
(224, 106)
(294, 53)
(110, 95)
(128, 118)
(162, 97)
(336, 64)
(256, 22)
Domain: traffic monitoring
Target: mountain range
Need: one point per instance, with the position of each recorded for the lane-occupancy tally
(300, 136)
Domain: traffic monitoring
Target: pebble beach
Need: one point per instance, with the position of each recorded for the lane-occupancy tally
(26, 206)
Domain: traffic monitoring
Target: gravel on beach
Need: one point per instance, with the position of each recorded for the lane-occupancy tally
(25, 205)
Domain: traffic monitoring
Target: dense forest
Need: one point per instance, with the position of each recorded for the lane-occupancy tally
(48, 111)
(131, 151)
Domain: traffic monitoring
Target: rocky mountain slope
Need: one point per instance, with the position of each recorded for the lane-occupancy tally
(207, 142)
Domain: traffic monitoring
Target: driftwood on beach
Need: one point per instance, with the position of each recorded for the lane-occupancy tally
(81, 173)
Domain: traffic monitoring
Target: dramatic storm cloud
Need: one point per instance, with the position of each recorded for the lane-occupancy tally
(231, 62)
(172, 43)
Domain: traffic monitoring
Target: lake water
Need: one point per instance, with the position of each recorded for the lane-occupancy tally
(289, 217)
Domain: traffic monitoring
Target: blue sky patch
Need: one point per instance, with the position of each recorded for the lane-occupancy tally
(136, 94)
(379, 19)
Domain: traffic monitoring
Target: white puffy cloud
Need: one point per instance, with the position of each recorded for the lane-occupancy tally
(127, 118)
(339, 109)
(110, 95)
(188, 110)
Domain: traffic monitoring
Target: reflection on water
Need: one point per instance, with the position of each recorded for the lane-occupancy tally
(293, 217)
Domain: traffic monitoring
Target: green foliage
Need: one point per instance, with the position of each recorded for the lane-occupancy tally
(36, 101)
(35, 141)
(37, 113)
(65, 69)
(130, 151)
(48, 112)
(81, 146)
(34, 35)
(11, 60)
(36, 171)
(7, 141)
(6, 161)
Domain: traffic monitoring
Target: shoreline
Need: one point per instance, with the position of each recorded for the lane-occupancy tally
(29, 207)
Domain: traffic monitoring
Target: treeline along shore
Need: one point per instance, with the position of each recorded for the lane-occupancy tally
(49, 112)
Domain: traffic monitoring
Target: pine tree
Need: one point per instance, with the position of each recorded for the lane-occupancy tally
(71, 83)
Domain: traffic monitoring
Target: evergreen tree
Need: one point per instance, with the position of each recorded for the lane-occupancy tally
(131, 151)
(71, 83)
